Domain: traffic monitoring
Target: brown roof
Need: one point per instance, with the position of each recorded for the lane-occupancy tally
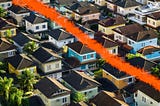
(148, 50)
(5, 45)
(112, 21)
(155, 15)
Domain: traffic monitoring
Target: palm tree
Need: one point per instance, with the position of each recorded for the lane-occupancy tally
(30, 47)
(2, 12)
(156, 71)
(26, 80)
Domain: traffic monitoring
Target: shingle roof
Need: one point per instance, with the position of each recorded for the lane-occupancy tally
(65, 2)
(5, 45)
(112, 21)
(114, 71)
(51, 87)
(127, 3)
(21, 39)
(18, 10)
(79, 48)
(107, 43)
(5, 25)
(148, 50)
(155, 15)
(60, 34)
(43, 55)
(142, 63)
(145, 88)
(103, 99)
(34, 19)
(20, 61)
(80, 81)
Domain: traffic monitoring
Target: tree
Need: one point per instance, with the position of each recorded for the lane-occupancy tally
(26, 80)
(78, 97)
(30, 47)
(100, 63)
(156, 71)
(2, 12)
(130, 56)
(3, 67)
(8, 33)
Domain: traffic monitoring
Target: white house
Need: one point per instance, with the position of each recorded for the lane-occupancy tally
(60, 38)
(5, 4)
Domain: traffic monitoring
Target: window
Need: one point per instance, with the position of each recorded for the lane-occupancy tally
(130, 79)
(92, 55)
(2, 5)
(114, 51)
(143, 99)
(119, 37)
(10, 54)
(57, 65)
(12, 31)
(148, 21)
(84, 57)
(64, 100)
(151, 102)
(130, 42)
(85, 93)
(4, 33)
(43, 26)
(154, 23)
(9, 4)
(49, 67)
(37, 27)
(135, 94)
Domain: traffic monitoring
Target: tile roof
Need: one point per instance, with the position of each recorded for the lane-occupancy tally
(51, 87)
(79, 47)
(140, 62)
(127, 3)
(60, 34)
(114, 71)
(145, 88)
(148, 50)
(103, 99)
(112, 21)
(21, 39)
(20, 61)
(80, 81)
(18, 10)
(35, 19)
(44, 55)
(5, 45)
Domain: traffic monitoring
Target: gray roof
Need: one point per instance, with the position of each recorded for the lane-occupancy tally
(18, 10)
(34, 19)
(6, 25)
(127, 3)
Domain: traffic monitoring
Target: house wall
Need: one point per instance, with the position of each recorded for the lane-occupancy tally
(53, 25)
(45, 1)
(19, 17)
(56, 101)
(141, 44)
(125, 11)
(111, 6)
(108, 30)
(6, 5)
(119, 83)
(142, 1)
(142, 99)
(153, 55)
(153, 23)
(7, 54)
(32, 27)
(100, 2)
(90, 93)
(72, 53)
(56, 75)
(61, 43)
(3, 32)
(111, 50)
(119, 37)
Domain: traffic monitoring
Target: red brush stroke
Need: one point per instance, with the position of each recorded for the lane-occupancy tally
(115, 61)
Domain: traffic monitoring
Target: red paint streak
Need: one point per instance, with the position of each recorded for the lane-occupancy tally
(94, 45)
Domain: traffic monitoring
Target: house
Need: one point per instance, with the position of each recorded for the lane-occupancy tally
(80, 82)
(52, 92)
(111, 5)
(18, 13)
(142, 1)
(19, 63)
(48, 62)
(137, 38)
(106, 25)
(153, 20)
(100, 2)
(6, 49)
(35, 24)
(141, 13)
(60, 37)
(109, 44)
(105, 98)
(20, 40)
(46, 1)
(5, 4)
(143, 94)
(117, 77)
(82, 11)
(150, 52)
(142, 63)
(125, 7)
(53, 24)
(6, 27)
(83, 54)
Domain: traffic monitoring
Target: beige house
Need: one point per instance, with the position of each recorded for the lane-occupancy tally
(52, 92)
(100, 2)
(117, 77)
(111, 5)
(106, 25)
